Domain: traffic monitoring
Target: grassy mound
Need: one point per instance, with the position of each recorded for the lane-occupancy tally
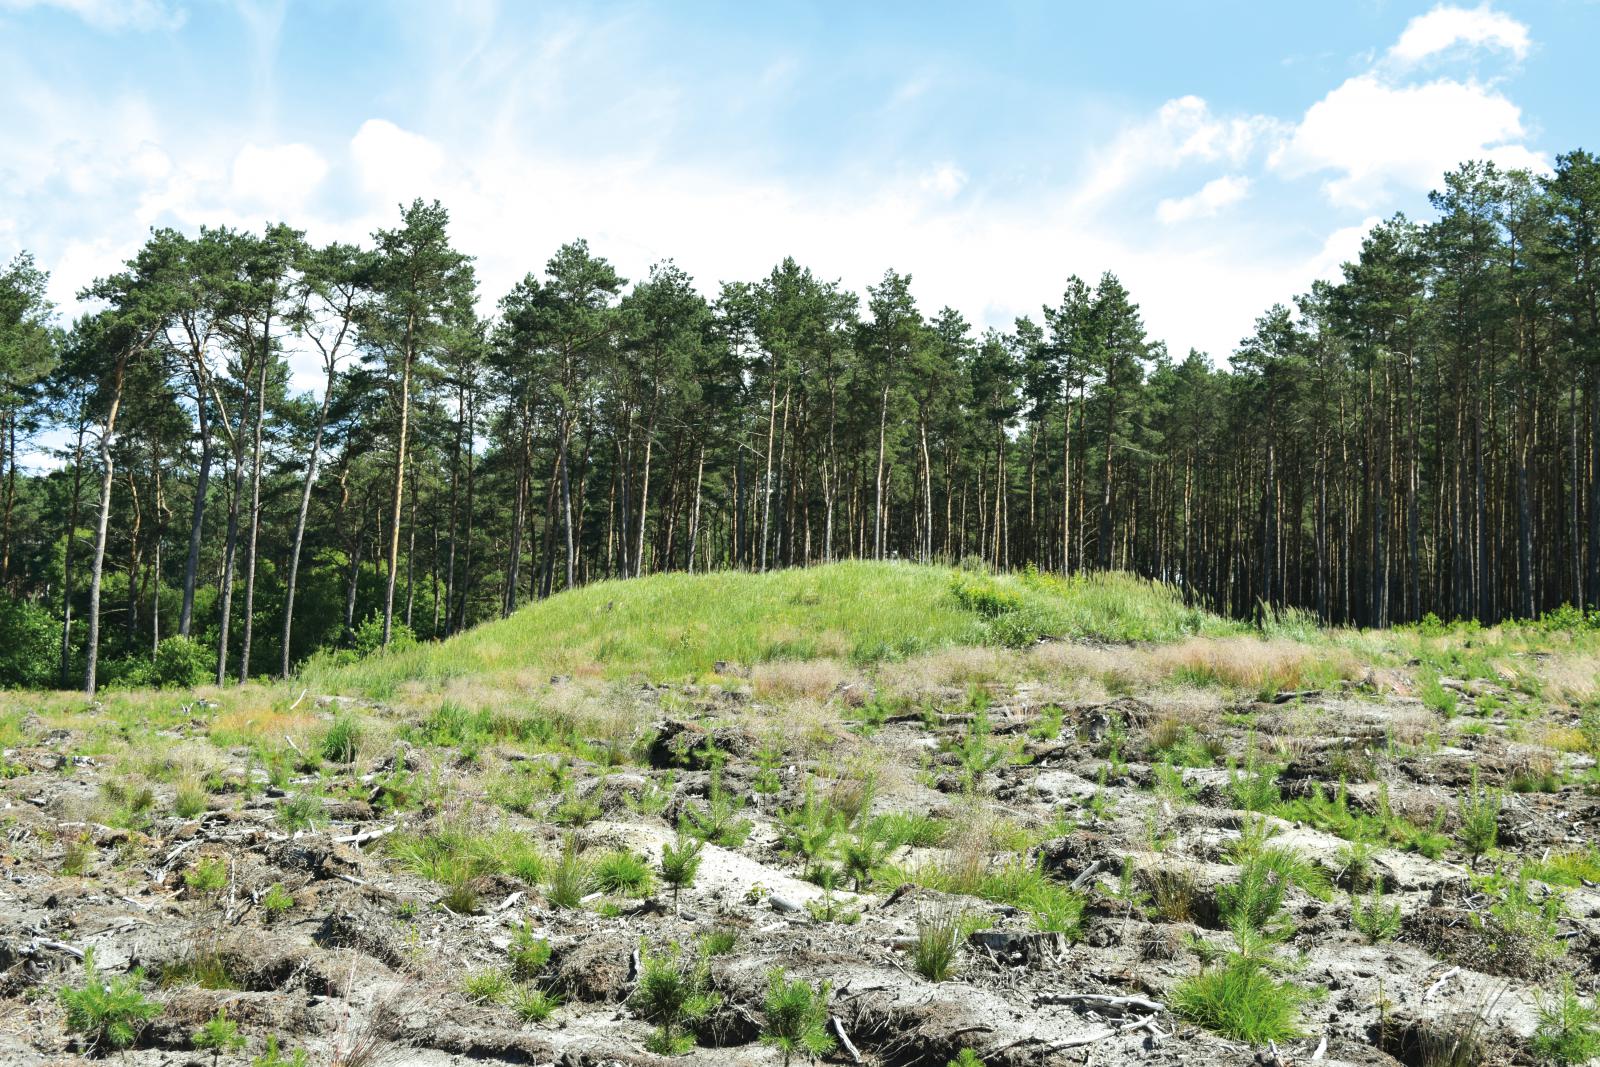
(675, 627)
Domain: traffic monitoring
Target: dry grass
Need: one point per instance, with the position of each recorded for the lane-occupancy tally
(1573, 678)
(816, 679)
(1257, 665)
(1112, 670)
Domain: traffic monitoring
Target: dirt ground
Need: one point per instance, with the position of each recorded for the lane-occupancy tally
(369, 962)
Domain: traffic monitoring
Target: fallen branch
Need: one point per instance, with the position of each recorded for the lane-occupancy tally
(365, 836)
(1087, 875)
(1102, 1001)
(844, 1039)
(1443, 978)
(59, 946)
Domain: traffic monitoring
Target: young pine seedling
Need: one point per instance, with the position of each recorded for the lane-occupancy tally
(680, 862)
(797, 1017)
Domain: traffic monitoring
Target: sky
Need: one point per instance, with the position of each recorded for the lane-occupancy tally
(1218, 157)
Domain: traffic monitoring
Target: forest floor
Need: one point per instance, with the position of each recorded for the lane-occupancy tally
(1048, 822)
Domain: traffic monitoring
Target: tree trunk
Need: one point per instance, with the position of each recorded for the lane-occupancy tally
(96, 568)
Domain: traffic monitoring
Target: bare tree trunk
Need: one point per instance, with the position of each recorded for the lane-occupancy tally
(399, 483)
(97, 567)
(255, 517)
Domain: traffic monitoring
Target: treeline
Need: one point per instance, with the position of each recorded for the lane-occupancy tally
(1422, 436)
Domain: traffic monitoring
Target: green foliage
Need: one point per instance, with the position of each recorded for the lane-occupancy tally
(534, 1005)
(528, 954)
(680, 862)
(1375, 920)
(1479, 811)
(672, 991)
(717, 820)
(182, 662)
(189, 801)
(108, 1013)
(797, 1017)
(1242, 1000)
(369, 636)
(489, 986)
(933, 953)
(719, 942)
(220, 1034)
(207, 877)
(30, 645)
(272, 1057)
(621, 871)
(341, 742)
(965, 1058)
(302, 811)
(569, 880)
(1569, 1029)
(276, 901)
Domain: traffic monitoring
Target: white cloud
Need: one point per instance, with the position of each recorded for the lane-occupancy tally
(1183, 131)
(1445, 28)
(110, 15)
(280, 177)
(944, 181)
(396, 164)
(1209, 199)
(1377, 136)
(1342, 246)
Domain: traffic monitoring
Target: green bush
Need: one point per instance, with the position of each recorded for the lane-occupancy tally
(797, 1017)
(182, 662)
(369, 636)
(109, 1014)
(1241, 1000)
(30, 650)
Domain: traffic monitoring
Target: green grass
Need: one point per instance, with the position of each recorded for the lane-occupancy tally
(672, 627)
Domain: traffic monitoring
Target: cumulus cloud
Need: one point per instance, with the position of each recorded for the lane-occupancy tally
(278, 177)
(110, 15)
(1377, 136)
(1183, 131)
(1446, 28)
(1211, 198)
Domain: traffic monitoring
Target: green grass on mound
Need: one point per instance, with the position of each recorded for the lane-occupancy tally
(672, 627)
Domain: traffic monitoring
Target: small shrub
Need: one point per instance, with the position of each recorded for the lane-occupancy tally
(569, 881)
(492, 986)
(1479, 809)
(1241, 1000)
(220, 1034)
(108, 1014)
(797, 1017)
(1375, 920)
(273, 1057)
(680, 862)
(671, 992)
(78, 857)
(342, 741)
(1569, 1029)
(533, 1005)
(189, 802)
(622, 871)
(1173, 892)
(277, 901)
(207, 877)
(182, 662)
(719, 942)
(933, 954)
(302, 811)
(528, 953)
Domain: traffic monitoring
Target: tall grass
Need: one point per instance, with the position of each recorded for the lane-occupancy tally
(673, 627)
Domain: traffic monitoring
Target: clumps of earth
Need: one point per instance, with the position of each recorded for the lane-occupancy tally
(986, 875)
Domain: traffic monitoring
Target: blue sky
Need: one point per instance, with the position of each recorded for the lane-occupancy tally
(1218, 156)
